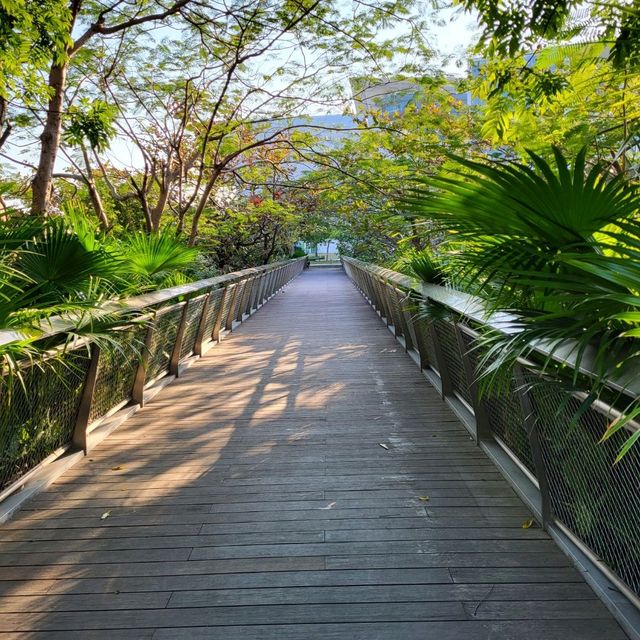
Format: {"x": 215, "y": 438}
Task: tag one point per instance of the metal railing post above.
{"x": 174, "y": 360}
{"x": 79, "y": 438}
{"x": 137, "y": 392}
{"x": 228, "y": 321}
{"x": 199, "y": 341}
{"x": 217, "y": 326}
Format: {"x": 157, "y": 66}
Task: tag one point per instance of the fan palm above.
{"x": 557, "y": 246}
{"x": 67, "y": 267}
{"x": 152, "y": 260}
{"x": 421, "y": 265}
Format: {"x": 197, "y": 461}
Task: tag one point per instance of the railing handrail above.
{"x": 59, "y": 325}
{"x": 473, "y": 308}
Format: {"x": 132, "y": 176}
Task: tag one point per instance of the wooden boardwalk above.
{"x": 300, "y": 481}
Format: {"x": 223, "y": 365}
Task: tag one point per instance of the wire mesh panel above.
{"x": 163, "y": 340}
{"x": 448, "y": 342}
{"x": 116, "y": 372}
{"x": 38, "y": 413}
{"x": 382, "y": 304}
{"x": 256, "y": 298}
{"x": 268, "y": 291}
{"x": 408, "y": 308}
{"x": 192, "y": 322}
{"x": 596, "y": 498}
{"x": 228, "y": 301}
{"x": 277, "y": 279}
{"x": 502, "y": 406}
{"x": 394, "y": 309}
{"x": 245, "y": 306}
{"x": 424, "y": 340}
{"x": 507, "y": 423}
{"x": 364, "y": 283}
{"x": 213, "y": 309}
{"x": 233, "y": 311}
{"x": 404, "y": 306}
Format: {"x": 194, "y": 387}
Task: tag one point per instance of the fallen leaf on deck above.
{"x": 384, "y": 446}
{"x": 118, "y": 468}
{"x": 105, "y": 515}
{"x": 527, "y": 524}
{"x": 423, "y": 498}
{"x": 329, "y": 506}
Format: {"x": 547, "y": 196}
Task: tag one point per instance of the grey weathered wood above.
{"x": 253, "y": 500}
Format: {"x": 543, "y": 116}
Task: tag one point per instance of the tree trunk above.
{"x": 158, "y": 210}
{"x": 94, "y": 194}
{"x": 5, "y": 127}
{"x": 202, "y": 204}
{"x": 142, "y": 199}
{"x": 50, "y": 141}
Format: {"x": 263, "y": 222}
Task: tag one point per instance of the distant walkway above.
{"x": 301, "y": 481}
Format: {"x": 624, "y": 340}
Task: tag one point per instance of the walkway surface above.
{"x": 303, "y": 481}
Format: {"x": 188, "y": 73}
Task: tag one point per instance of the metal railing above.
{"x": 59, "y": 401}
{"x": 557, "y": 463}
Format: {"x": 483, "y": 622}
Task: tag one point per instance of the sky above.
{"x": 455, "y": 37}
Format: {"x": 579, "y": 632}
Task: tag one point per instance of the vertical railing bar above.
{"x": 199, "y": 341}
{"x": 228, "y": 321}
{"x": 79, "y": 439}
{"x": 215, "y": 332}
{"x": 174, "y": 360}
{"x": 137, "y": 392}
{"x": 443, "y": 368}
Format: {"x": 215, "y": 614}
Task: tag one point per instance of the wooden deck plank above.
{"x": 252, "y": 499}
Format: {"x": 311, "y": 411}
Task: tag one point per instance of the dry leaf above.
{"x": 118, "y": 468}
{"x": 105, "y": 515}
{"x": 527, "y": 524}
{"x": 384, "y": 446}
{"x": 423, "y": 498}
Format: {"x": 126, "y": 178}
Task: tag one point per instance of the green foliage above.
{"x": 510, "y": 27}
{"x": 154, "y": 256}
{"x": 33, "y": 34}
{"x": 355, "y": 198}
{"x": 90, "y": 121}
{"x": 567, "y": 95}
{"x": 251, "y": 231}
{"x": 65, "y": 266}
{"x": 557, "y": 246}
{"x": 421, "y": 264}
